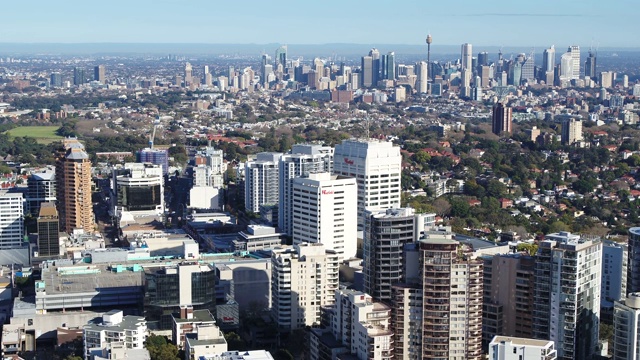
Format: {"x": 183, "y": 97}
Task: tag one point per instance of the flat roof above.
{"x": 521, "y": 341}
{"x": 198, "y": 316}
{"x": 57, "y": 282}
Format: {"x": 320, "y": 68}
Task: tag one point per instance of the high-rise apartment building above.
{"x": 154, "y": 156}
{"x": 466, "y": 56}
{"x": 302, "y": 160}
{"x": 508, "y": 296}
{"x": 48, "y": 230}
{"x": 115, "y": 328}
{"x": 261, "y": 185}
{"x": 501, "y": 119}
{"x": 304, "y": 279}
{"x": 79, "y": 77}
{"x": 567, "y": 294}
{"x": 614, "y": 273}
{"x": 11, "y": 220}
{"x": 56, "y": 79}
{"x": 571, "y": 131}
{"x": 514, "y": 348}
{"x": 322, "y": 209}
{"x": 385, "y": 234}
{"x": 100, "y": 73}
{"x": 574, "y": 52}
{"x": 633, "y": 261}
{"x": 606, "y": 79}
{"x": 626, "y": 328}
{"x": 73, "y": 181}
{"x": 41, "y": 188}
{"x": 376, "y": 165}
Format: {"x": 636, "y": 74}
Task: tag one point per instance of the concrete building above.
{"x": 206, "y": 197}
{"x": 114, "y": 328}
{"x": 322, "y": 206}
{"x": 73, "y": 181}
{"x": 48, "y": 230}
{"x": 508, "y": 296}
{"x": 258, "y": 237}
{"x": 633, "y": 261}
{"x": 261, "y": 186}
{"x": 248, "y": 282}
{"x": 41, "y": 188}
{"x": 205, "y": 340}
{"x": 571, "y": 131}
{"x": 385, "y": 235}
{"x": 406, "y": 320}
{"x": 11, "y": 220}
{"x": 626, "y": 328}
{"x": 240, "y": 355}
{"x": 154, "y": 156}
{"x": 187, "y": 321}
{"x": 303, "y": 159}
{"x": 501, "y": 119}
{"x": 304, "y": 280}
{"x": 376, "y": 165}
{"x": 614, "y": 273}
{"x": 100, "y": 74}
{"x": 466, "y": 55}
{"x": 567, "y": 294}
{"x": 574, "y": 52}
{"x": 139, "y": 189}
{"x": 513, "y": 348}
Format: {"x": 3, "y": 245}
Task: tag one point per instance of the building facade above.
{"x": 73, "y": 181}
{"x": 154, "y": 156}
{"x": 513, "y": 348}
{"x": 633, "y": 261}
{"x": 501, "y": 119}
{"x": 138, "y": 188}
{"x": 261, "y": 185}
{"x": 41, "y": 188}
{"x": 11, "y": 220}
{"x": 626, "y": 328}
{"x": 48, "y": 230}
{"x": 115, "y": 328}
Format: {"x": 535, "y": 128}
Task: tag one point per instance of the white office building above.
{"x": 303, "y": 159}
{"x": 512, "y": 348}
{"x": 324, "y": 208}
{"x": 139, "y": 189}
{"x": 11, "y": 220}
{"x": 626, "y": 328}
{"x": 261, "y": 186}
{"x": 114, "y": 328}
{"x": 377, "y": 166}
{"x": 304, "y": 279}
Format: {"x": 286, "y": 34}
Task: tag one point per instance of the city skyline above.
{"x": 253, "y": 22}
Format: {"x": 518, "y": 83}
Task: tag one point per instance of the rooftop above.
{"x": 198, "y": 316}
{"x": 128, "y": 322}
{"x": 521, "y": 341}
{"x": 79, "y": 279}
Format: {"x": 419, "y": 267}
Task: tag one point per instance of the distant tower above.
{"x": 574, "y": 51}
{"x": 501, "y": 119}
{"x": 590, "y": 65}
{"x": 466, "y": 56}
{"x": 99, "y": 73}
{"x": 429, "y": 41}
{"x": 188, "y": 74}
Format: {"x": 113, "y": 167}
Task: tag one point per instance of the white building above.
{"x": 574, "y": 52}
{"x": 115, "y": 328}
{"x": 205, "y": 340}
{"x": 42, "y": 188}
{"x": 11, "y": 220}
{"x": 206, "y": 197}
{"x": 324, "y": 208}
{"x": 614, "y": 273}
{"x": 204, "y": 175}
{"x": 303, "y": 159}
{"x": 304, "y": 279}
{"x": 512, "y": 348}
{"x": 258, "y": 237}
{"x": 241, "y": 355}
{"x": 139, "y": 189}
{"x": 377, "y": 166}
{"x": 626, "y": 328}
{"x": 261, "y": 181}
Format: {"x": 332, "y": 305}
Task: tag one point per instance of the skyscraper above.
{"x": 466, "y": 56}
{"x": 48, "y": 230}
{"x": 377, "y": 166}
{"x": 302, "y": 160}
{"x": 549, "y": 59}
{"x": 391, "y": 66}
{"x": 100, "y": 74}
{"x": 188, "y": 74}
{"x": 73, "y": 180}
{"x": 501, "y": 119}
{"x": 528, "y": 69}
{"x": 261, "y": 181}
{"x": 566, "y": 67}
{"x": 574, "y": 51}
{"x": 633, "y": 263}
{"x": 590, "y": 66}
{"x": 56, "y": 79}
{"x": 367, "y": 71}
{"x": 567, "y": 294}
{"x": 483, "y": 58}
{"x": 11, "y": 220}
{"x": 155, "y": 156}
{"x": 423, "y": 77}
{"x": 41, "y": 188}
{"x": 626, "y": 327}
{"x": 571, "y": 131}
{"x": 375, "y": 65}
{"x": 280, "y": 57}
{"x": 79, "y": 77}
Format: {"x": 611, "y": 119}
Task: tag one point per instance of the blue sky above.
{"x": 488, "y": 22}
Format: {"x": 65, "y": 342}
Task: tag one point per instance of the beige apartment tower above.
{"x": 73, "y": 178}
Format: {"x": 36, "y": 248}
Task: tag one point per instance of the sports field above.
{"x": 43, "y": 134}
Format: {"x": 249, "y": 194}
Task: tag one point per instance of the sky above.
{"x": 485, "y": 23}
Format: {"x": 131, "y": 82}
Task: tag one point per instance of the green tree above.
{"x": 529, "y": 248}
{"x": 459, "y": 207}
{"x": 160, "y": 349}
{"x": 558, "y": 226}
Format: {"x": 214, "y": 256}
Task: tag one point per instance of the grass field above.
{"x": 43, "y": 134}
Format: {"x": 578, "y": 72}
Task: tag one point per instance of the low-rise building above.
{"x": 512, "y": 348}
{"x": 114, "y": 328}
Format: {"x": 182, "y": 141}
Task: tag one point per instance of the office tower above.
{"x": 304, "y": 279}
{"x": 48, "y": 230}
{"x": 377, "y": 166}
{"x": 423, "y": 77}
{"x": 41, "y": 188}
{"x": 207, "y": 77}
{"x": 590, "y": 66}
{"x": 466, "y": 56}
{"x": 571, "y": 131}
{"x": 485, "y": 75}
{"x": 322, "y": 209}
{"x": 483, "y": 58}
{"x": 508, "y": 296}
{"x": 391, "y": 66}
{"x": 625, "y": 81}
{"x": 264, "y": 69}
{"x": 261, "y": 181}
{"x": 79, "y": 77}
{"x": 11, "y": 220}
{"x": 367, "y": 71}
{"x": 614, "y": 273}
{"x": 501, "y": 119}
{"x": 129, "y": 330}
{"x": 280, "y": 57}
{"x": 154, "y": 156}
{"x": 606, "y": 79}
{"x": 56, "y": 79}
{"x": 167, "y": 288}
{"x": 574, "y": 52}
{"x": 633, "y": 261}
{"x": 528, "y": 69}
{"x": 517, "y": 348}
{"x": 302, "y": 160}
{"x": 375, "y": 66}
{"x": 465, "y": 88}
{"x": 549, "y": 59}
{"x": 567, "y": 294}
{"x": 450, "y": 308}
{"x": 566, "y": 67}
{"x": 515, "y": 72}
{"x": 188, "y": 74}
{"x": 636, "y": 90}
{"x": 73, "y": 181}
{"x": 100, "y": 73}
{"x": 626, "y": 327}
{"x": 385, "y": 234}
{"x": 139, "y": 189}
